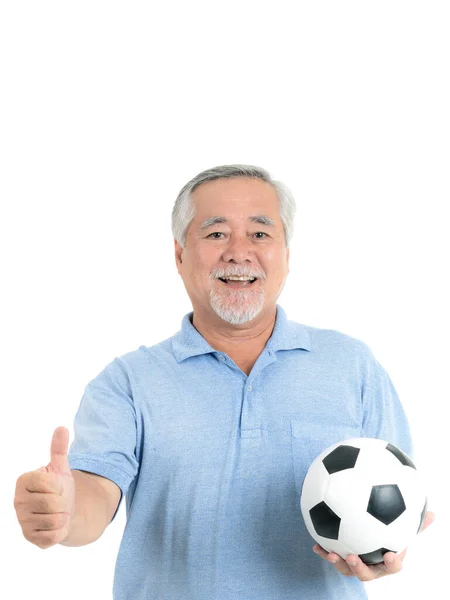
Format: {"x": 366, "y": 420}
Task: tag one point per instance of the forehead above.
{"x": 234, "y": 198}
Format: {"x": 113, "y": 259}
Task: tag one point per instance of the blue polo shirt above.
{"x": 212, "y": 461}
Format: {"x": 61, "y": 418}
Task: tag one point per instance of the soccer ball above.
{"x": 363, "y": 496}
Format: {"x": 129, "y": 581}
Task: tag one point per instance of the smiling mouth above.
{"x": 238, "y": 281}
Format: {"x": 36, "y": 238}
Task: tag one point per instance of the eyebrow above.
{"x": 261, "y": 219}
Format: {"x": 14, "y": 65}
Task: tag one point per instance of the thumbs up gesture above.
{"x": 45, "y": 498}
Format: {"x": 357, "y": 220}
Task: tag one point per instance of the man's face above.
{"x": 237, "y": 231}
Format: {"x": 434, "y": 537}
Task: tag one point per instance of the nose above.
{"x": 238, "y": 249}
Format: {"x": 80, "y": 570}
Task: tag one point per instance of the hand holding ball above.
{"x": 363, "y": 496}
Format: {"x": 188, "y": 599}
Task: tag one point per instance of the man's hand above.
{"x": 354, "y": 566}
{"x": 45, "y": 499}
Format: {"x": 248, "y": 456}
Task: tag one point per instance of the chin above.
{"x": 238, "y": 310}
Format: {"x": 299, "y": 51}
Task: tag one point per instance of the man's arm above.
{"x": 96, "y": 501}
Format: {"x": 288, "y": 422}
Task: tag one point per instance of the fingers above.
{"x": 354, "y": 566}
{"x": 42, "y": 512}
{"x": 40, "y": 481}
{"x": 45, "y": 498}
{"x": 42, "y": 504}
{"x": 45, "y": 538}
{"x": 44, "y": 522}
{"x": 392, "y": 564}
{"x": 337, "y": 561}
{"x": 29, "y": 504}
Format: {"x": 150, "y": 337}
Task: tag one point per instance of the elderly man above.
{"x": 210, "y": 432}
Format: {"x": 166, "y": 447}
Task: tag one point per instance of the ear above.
{"x": 178, "y": 254}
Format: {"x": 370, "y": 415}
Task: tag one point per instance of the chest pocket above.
{"x": 310, "y": 439}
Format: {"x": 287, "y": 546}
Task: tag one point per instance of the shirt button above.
{"x": 222, "y": 357}
{"x": 249, "y": 389}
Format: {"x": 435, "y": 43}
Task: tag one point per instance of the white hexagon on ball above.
{"x": 363, "y": 496}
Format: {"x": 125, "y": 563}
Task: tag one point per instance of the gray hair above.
{"x": 184, "y": 210}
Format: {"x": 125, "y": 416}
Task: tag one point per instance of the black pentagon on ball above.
{"x": 373, "y": 558}
{"x": 325, "y": 521}
{"x": 386, "y": 503}
{"x": 341, "y": 458}
{"x": 401, "y": 456}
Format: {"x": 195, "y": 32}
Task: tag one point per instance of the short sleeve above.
{"x": 383, "y": 414}
{"x": 105, "y": 428}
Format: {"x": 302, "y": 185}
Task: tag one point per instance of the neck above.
{"x": 248, "y": 338}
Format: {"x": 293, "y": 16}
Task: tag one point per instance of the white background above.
{"x": 107, "y": 109}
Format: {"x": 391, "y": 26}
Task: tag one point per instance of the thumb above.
{"x": 58, "y": 451}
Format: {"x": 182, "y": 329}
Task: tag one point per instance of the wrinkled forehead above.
{"x": 263, "y": 220}
{"x": 224, "y": 200}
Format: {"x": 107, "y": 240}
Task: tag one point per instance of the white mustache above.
{"x": 236, "y": 273}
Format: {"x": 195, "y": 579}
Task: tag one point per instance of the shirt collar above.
{"x": 286, "y": 335}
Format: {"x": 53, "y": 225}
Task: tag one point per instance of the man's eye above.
{"x": 214, "y": 233}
